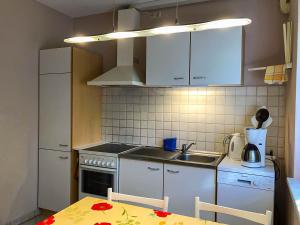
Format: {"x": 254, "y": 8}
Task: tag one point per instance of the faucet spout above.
{"x": 186, "y": 147}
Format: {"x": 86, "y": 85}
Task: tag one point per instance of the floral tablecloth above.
{"x": 95, "y": 211}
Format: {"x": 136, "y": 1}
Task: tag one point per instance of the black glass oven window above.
{"x": 96, "y": 183}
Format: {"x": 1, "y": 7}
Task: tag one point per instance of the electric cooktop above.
{"x": 113, "y": 148}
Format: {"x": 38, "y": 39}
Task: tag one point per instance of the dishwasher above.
{"x": 243, "y": 188}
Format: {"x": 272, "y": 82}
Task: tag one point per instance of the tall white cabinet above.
{"x": 66, "y": 104}
{"x": 55, "y": 129}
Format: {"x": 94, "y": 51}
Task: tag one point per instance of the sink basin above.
{"x": 200, "y": 158}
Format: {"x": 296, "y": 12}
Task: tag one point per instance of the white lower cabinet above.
{"x": 180, "y": 183}
{"x": 54, "y": 179}
{"x": 183, "y": 183}
{"x": 141, "y": 178}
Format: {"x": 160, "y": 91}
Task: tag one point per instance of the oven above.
{"x": 94, "y": 181}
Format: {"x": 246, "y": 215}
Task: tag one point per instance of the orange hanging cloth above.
{"x": 276, "y": 74}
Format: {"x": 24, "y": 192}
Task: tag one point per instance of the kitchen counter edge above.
{"x": 170, "y": 161}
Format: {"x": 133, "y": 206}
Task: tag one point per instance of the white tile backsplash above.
{"x": 203, "y": 115}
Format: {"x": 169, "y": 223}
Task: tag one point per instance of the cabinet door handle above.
{"x": 244, "y": 181}
{"x": 199, "y": 78}
{"x": 62, "y": 145}
{"x": 153, "y": 169}
{"x": 63, "y": 157}
{"x": 178, "y": 78}
{"x": 173, "y": 171}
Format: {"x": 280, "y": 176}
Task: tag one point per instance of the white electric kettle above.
{"x": 235, "y": 146}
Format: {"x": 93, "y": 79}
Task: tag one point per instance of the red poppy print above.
{"x": 103, "y": 206}
{"x": 161, "y": 213}
{"x": 50, "y": 220}
{"x": 102, "y": 224}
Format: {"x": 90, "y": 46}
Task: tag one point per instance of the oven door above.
{"x": 94, "y": 181}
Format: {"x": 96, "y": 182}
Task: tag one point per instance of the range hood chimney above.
{"x": 126, "y": 72}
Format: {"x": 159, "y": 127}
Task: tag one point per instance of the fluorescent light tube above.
{"x": 217, "y": 24}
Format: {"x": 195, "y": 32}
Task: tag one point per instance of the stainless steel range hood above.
{"x": 126, "y": 72}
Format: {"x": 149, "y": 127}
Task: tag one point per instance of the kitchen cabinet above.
{"x": 141, "y": 178}
{"x": 216, "y": 57}
{"x": 183, "y": 183}
{"x": 58, "y": 60}
{"x": 55, "y": 111}
{"x": 168, "y": 60}
{"x": 54, "y": 179}
{"x": 211, "y": 57}
{"x": 69, "y": 117}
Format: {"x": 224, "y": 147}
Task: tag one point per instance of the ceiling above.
{"x": 79, "y": 8}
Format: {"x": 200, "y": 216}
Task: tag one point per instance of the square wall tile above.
{"x": 204, "y": 115}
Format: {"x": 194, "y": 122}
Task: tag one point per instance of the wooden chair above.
{"x": 159, "y": 203}
{"x": 265, "y": 219}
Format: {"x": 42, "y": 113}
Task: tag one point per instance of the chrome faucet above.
{"x": 186, "y": 147}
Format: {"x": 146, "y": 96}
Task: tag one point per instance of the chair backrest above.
{"x": 265, "y": 219}
{"x": 159, "y": 203}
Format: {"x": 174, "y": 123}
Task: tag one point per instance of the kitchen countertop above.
{"x": 230, "y": 165}
{"x": 157, "y": 154}
{"x": 82, "y": 147}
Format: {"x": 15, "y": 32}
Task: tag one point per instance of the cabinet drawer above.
{"x": 246, "y": 180}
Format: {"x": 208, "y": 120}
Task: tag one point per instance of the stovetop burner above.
{"x": 113, "y": 148}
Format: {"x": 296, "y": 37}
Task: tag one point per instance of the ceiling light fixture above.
{"x": 217, "y": 24}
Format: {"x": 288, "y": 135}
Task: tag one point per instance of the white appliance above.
{"x": 244, "y": 188}
{"x": 127, "y": 70}
{"x": 236, "y": 145}
{"x": 99, "y": 169}
{"x": 255, "y": 156}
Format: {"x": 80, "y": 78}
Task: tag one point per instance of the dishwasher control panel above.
{"x": 246, "y": 180}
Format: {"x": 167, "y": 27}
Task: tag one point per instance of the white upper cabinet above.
{"x": 216, "y": 57}
{"x": 54, "y": 61}
{"x": 55, "y": 112}
{"x": 168, "y": 60}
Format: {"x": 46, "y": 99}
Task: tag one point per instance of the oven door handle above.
{"x": 98, "y": 169}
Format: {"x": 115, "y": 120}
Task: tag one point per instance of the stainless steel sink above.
{"x": 201, "y": 158}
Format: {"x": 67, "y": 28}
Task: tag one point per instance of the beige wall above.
{"x": 263, "y": 39}
{"x": 97, "y": 24}
{"x": 26, "y": 26}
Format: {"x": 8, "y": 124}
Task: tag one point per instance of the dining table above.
{"x": 96, "y": 211}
